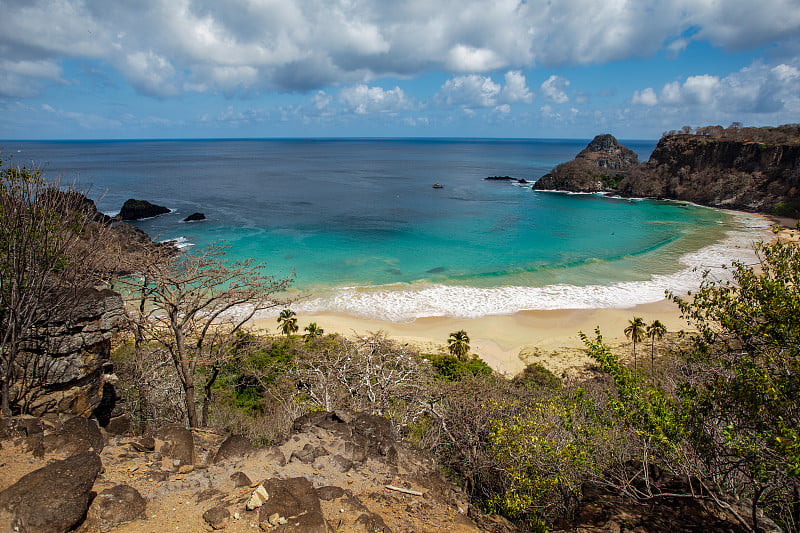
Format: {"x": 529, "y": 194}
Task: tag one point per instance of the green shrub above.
{"x": 451, "y": 368}
{"x": 536, "y": 375}
{"x": 784, "y": 209}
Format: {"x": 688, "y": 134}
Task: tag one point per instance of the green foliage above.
{"x": 312, "y": 332}
{"x": 785, "y": 209}
{"x": 543, "y": 450}
{"x": 536, "y": 375}
{"x": 458, "y": 344}
{"x": 743, "y": 379}
{"x": 287, "y": 322}
{"x": 655, "y": 416}
{"x": 451, "y": 368}
{"x": 636, "y": 332}
{"x": 612, "y": 182}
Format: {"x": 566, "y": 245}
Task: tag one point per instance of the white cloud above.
{"x": 554, "y": 89}
{"x": 645, "y": 97}
{"x": 469, "y": 92}
{"x": 150, "y": 73}
{"x": 363, "y": 99}
{"x": 768, "y": 92}
{"x": 208, "y": 45}
{"x": 463, "y": 58}
{"x": 516, "y": 89}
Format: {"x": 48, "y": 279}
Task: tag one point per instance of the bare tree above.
{"x": 192, "y": 304}
{"x": 51, "y": 252}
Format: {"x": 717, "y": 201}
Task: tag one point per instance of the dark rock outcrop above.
{"x": 54, "y": 498}
{"x": 65, "y": 368}
{"x": 76, "y": 435}
{"x": 749, "y": 169}
{"x": 139, "y": 209}
{"x": 598, "y": 167}
{"x": 720, "y": 172}
{"x": 294, "y": 500}
{"x": 194, "y": 217}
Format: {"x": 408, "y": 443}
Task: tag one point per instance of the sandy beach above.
{"x": 508, "y": 342}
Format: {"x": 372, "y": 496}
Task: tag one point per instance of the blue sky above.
{"x": 94, "y": 69}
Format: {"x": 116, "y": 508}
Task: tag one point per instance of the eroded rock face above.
{"x": 598, "y": 167}
{"x": 54, "y": 498}
{"x": 64, "y": 371}
{"x": 175, "y": 442}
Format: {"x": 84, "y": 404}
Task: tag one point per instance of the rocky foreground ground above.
{"x": 336, "y": 472}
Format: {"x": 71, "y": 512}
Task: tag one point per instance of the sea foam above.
{"x": 407, "y": 302}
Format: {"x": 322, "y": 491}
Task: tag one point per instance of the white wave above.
{"x": 180, "y": 243}
{"x": 405, "y": 303}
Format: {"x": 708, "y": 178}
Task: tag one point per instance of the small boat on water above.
{"x": 438, "y": 186}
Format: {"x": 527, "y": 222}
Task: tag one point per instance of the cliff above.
{"x": 721, "y": 172}
{"x": 598, "y": 167}
{"x": 751, "y": 169}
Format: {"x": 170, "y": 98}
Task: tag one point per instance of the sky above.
{"x": 100, "y": 69}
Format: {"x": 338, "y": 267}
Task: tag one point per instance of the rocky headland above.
{"x": 749, "y": 169}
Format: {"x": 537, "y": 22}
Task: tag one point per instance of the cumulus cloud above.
{"x": 165, "y": 46}
{"x": 755, "y": 89}
{"x": 516, "y": 89}
{"x": 553, "y": 89}
{"x": 469, "y": 91}
{"x": 363, "y": 99}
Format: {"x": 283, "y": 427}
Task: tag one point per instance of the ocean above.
{"x": 363, "y": 230}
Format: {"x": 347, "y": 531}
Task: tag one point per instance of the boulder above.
{"x": 175, "y": 442}
{"x": 54, "y": 498}
{"x": 113, "y": 507}
{"x": 217, "y": 517}
{"x": 77, "y": 435}
{"x": 195, "y": 217}
{"x": 139, "y": 209}
{"x": 296, "y": 501}
{"x": 234, "y": 446}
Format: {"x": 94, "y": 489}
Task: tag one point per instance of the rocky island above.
{"x": 750, "y": 169}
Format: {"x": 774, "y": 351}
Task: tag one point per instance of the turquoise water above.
{"x": 360, "y": 225}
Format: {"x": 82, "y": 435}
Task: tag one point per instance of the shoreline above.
{"x": 507, "y": 343}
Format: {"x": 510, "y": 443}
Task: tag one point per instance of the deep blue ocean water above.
{"x": 359, "y": 223}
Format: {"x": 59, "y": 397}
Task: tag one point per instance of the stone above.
{"x": 330, "y": 492}
{"x": 119, "y": 425}
{"x": 296, "y": 500}
{"x": 113, "y": 507}
{"x": 240, "y": 479}
{"x": 194, "y": 217}
{"x": 175, "y": 442}
{"x": 145, "y": 444}
{"x": 217, "y": 517}
{"x": 343, "y": 464}
{"x": 54, "y": 498}
{"x": 257, "y": 498}
{"x": 234, "y": 446}
{"x": 139, "y": 209}
{"x": 77, "y": 435}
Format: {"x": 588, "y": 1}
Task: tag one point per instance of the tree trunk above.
{"x": 191, "y": 411}
{"x": 207, "y": 397}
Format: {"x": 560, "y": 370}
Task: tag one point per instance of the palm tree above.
{"x": 458, "y": 344}
{"x": 288, "y": 322}
{"x": 636, "y": 332}
{"x": 656, "y": 330}
{"x": 314, "y": 331}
